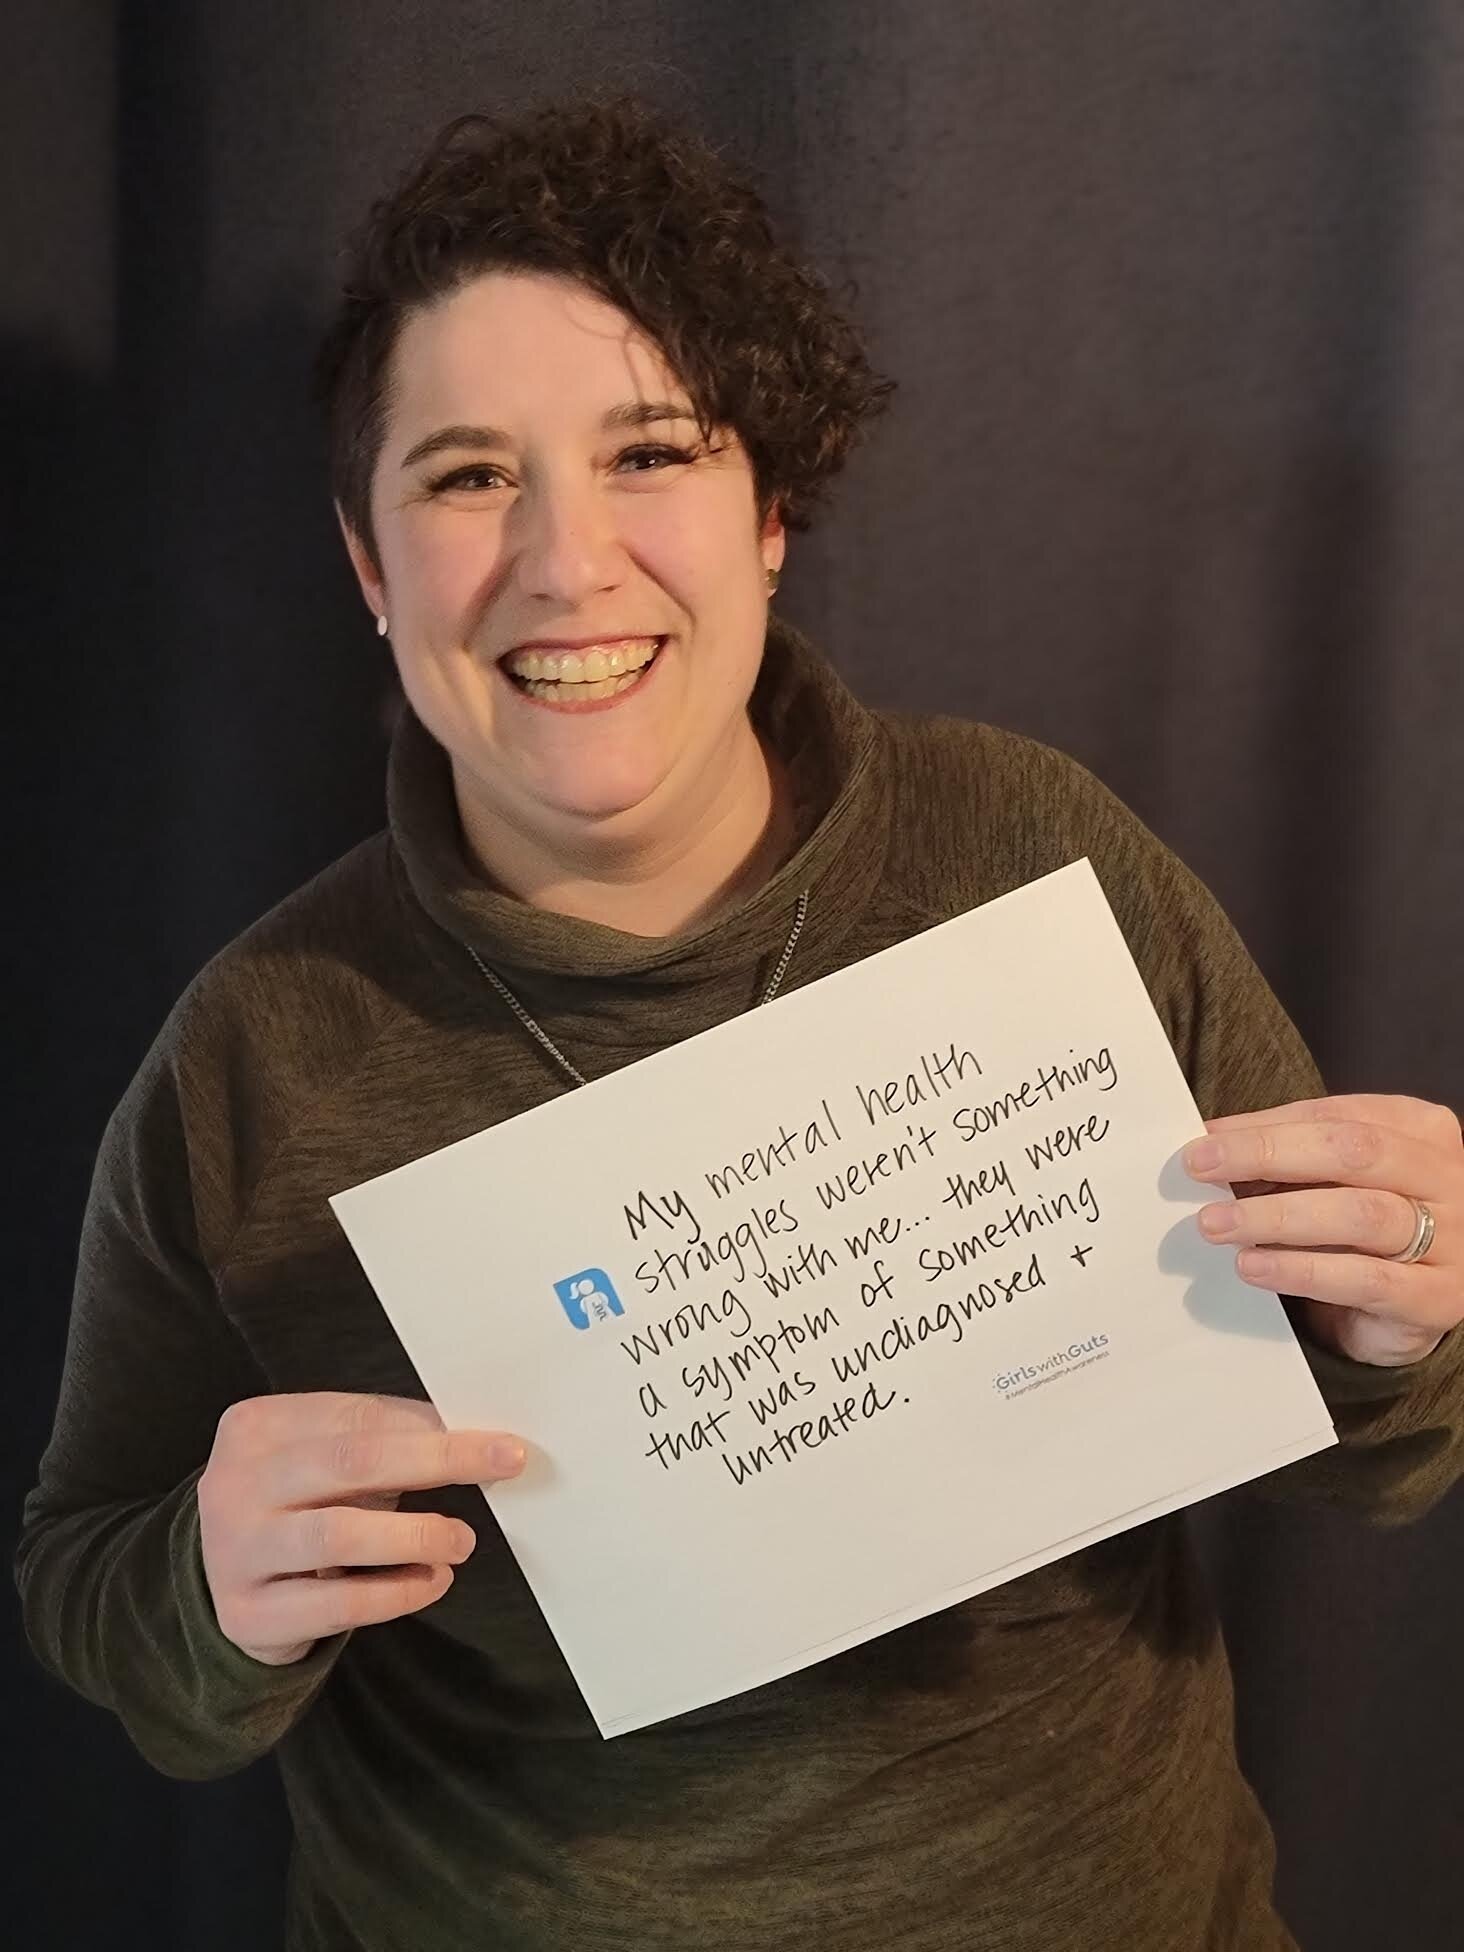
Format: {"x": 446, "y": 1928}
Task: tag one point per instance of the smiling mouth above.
{"x": 582, "y": 677}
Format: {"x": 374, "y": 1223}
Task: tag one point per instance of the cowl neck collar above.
{"x": 830, "y": 744}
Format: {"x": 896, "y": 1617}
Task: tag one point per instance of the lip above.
{"x": 581, "y": 643}
{"x": 566, "y": 708}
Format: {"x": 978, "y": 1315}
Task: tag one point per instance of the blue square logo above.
{"x": 588, "y": 1296}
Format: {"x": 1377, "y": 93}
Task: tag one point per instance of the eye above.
{"x": 460, "y": 477}
{"x": 679, "y": 455}
{"x": 473, "y": 476}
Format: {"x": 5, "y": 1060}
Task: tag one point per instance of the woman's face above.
{"x": 535, "y": 487}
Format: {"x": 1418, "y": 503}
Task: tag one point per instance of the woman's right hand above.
{"x": 300, "y": 1490}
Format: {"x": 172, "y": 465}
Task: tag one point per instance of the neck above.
{"x": 723, "y": 839}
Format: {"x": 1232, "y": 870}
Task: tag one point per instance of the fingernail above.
{"x": 505, "y": 1457}
{"x": 1202, "y": 1157}
{"x": 1219, "y": 1222}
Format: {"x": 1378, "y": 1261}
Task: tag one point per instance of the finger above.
{"x": 1344, "y": 1153}
{"x": 1367, "y": 1338}
{"x": 260, "y": 1426}
{"x": 289, "y": 1610}
{"x": 336, "y": 1469}
{"x": 1360, "y": 1218}
{"x": 1417, "y": 1117}
{"x": 332, "y": 1536}
{"x": 263, "y": 1423}
{"x": 1419, "y": 1296}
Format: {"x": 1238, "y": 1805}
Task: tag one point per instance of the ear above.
{"x": 773, "y": 538}
{"x": 367, "y": 574}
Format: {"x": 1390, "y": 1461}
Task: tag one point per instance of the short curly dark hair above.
{"x": 646, "y": 214}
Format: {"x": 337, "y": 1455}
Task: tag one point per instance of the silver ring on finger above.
{"x": 1423, "y": 1234}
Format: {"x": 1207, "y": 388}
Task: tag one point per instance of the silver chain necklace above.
{"x": 543, "y": 1037}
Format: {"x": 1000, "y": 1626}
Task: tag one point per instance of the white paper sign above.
{"x": 843, "y": 1311}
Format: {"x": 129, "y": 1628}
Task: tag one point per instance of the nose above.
{"x": 567, "y": 544}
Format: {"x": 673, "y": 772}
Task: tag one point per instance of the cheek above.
{"x": 440, "y": 569}
{"x": 694, "y": 539}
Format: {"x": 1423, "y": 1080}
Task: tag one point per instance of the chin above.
{"x": 604, "y": 800}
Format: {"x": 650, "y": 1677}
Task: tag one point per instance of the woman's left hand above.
{"x": 1324, "y": 1197}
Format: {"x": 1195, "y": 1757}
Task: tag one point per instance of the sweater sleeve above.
{"x": 1400, "y": 1430}
{"x": 110, "y": 1569}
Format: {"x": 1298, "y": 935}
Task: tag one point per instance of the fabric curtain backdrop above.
{"x": 1175, "y": 298}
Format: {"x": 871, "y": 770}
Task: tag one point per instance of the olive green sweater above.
{"x": 1048, "y": 1767}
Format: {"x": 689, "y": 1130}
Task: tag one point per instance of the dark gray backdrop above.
{"x": 1174, "y": 293}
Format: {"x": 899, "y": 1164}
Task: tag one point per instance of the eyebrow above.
{"x": 631, "y": 413}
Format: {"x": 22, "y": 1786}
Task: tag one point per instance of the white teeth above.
{"x": 564, "y": 694}
{"x": 572, "y": 667}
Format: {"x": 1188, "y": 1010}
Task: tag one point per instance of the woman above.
{"x": 579, "y": 396}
